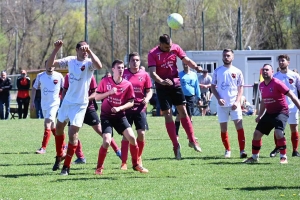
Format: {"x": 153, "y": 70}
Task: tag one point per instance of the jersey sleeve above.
{"x": 282, "y": 87}
{"x": 148, "y": 83}
{"x": 130, "y": 93}
{"x": 62, "y": 81}
{"x": 151, "y": 60}
{"x": 93, "y": 84}
{"x": 214, "y": 78}
{"x": 64, "y": 61}
{"x": 240, "y": 81}
{"x": 100, "y": 88}
{"x": 298, "y": 82}
{"x": 180, "y": 53}
{"x": 66, "y": 82}
{"x": 36, "y": 81}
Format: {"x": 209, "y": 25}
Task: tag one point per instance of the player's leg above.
{"x": 279, "y": 123}
{"x": 140, "y": 121}
{"x": 223, "y": 117}
{"x": 293, "y": 121}
{"x": 237, "y": 117}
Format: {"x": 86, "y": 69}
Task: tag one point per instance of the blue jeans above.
{"x": 38, "y": 108}
{"x": 4, "y": 101}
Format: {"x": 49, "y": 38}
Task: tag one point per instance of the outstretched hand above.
{"x": 58, "y": 44}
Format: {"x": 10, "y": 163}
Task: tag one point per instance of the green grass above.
{"x": 207, "y": 175}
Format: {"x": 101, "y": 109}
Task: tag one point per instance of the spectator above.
{"x": 37, "y": 102}
{"x": 204, "y": 82}
{"x": 5, "y": 86}
{"x": 23, "y": 98}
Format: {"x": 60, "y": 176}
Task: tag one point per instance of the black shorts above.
{"x": 119, "y": 124}
{"x": 190, "y": 104}
{"x": 91, "y": 118}
{"x": 139, "y": 120}
{"x": 270, "y": 121}
{"x": 170, "y": 96}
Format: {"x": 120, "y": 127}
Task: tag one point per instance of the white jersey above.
{"x": 50, "y": 87}
{"x": 228, "y": 80}
{"x": 292, "y": 81}
{"x": 80, "y": 75}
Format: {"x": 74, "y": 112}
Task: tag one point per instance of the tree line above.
{"x": 28, "y": 28}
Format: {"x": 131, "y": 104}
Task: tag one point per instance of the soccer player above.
{"x": 164, "y": 71}
{"x": 91, "y": 118}
{"x": 227, "y": 86}
{"x": 73, "y": 107}
{"x": 292, "y": 81}
{"x": 142, "y": 84}
{"x": 23, "y": 98}
{"x": 273, "y": 113}
{"x": 117, "y": 95}
{"x": 51, "y": 83}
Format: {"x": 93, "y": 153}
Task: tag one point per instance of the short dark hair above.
{"x": 266, "y": 65}
{"x": 165, "y": 39}
{"x": 81, "y": 43}
{"x": 132, "y": 54}
{"x": 117, "y": 62}
{"x": 283, "y": 56}
{"x": 228, "y": 50}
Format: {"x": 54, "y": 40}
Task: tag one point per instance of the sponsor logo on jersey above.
{"x": 82, "y": 68}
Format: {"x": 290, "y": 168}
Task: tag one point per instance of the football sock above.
{"x": 172, "y": 133}
{"x": 101, "y": 157}
{"x": 275, "y": 141}
{"x": 295, "y": 140}
{"x": 114, "y": 145}
{"x": 46, "y": 138}
{"x": 59, "y": 141}
{"x": 225, "y": 140}
{"x": 188, "y": 127}
{"x": 282, "y": 145}
{"x": 256, "y": 145}
{"x": 241, "y": 139}
{"x": 124, "y": 150}
{"x": 141, "y": 145}
{"x": 79, "y": 152}
{"x": 134, "y": 151}
{"x": 70, "y": 152}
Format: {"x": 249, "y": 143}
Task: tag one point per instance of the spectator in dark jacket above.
{"x": 5, "y": 87}
{"x": 23, "y": 98}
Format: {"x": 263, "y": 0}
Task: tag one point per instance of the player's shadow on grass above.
{"x": 35, "y": 164}
{"x": 264, "y": 188}
{"x": 84, "y": 179}
{"x": 17, "y": 153}
{"x": 24, "y": 175}
{"x": 237, "y": 163}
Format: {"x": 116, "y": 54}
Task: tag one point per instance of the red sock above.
{"x": 46, "y": 138}
{"x": 256, "y": 145}
{"x": 225, "y": 140}
{"x": 70, "y": 153}
{"x": 141, "y": 145}
{"x": 79, "y": 152}
{"x": 241, "y": 138}
{"x": 53, "y": 131}
{"x": 275, "y": 140}
{"x": 114, "y": 145}
{"x": 172, "y": 133}
{"x": 188, "y": 127}
{"x": 59, "y": 141}
{"x": 124, "y": 150}
{"x": 101, "y": 157}
{"x": 282, "y": 145}
{"x": 134, "y": 151}
{"x": 295, "y": 140}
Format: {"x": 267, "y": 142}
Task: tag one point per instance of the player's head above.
{"x": 117, "y": 68}
{"x": 165, "y": 43}
{"x": 284, "y": 61}
{"x": 23, "y": 73}
{"x": 49, "y": 68}
{"x": 134, "y": 60}
{"x": 3, "y": 75}
{"x": 267, "y": 72}
{"x": 185, "y": 67}
{"x": 228, "y": 56}
{"x": 81, "y": 54}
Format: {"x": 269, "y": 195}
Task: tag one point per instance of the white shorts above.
{"x": 72, "y": 112}
{"x": 293, "y": 118}
{"x": 51, "y": 113}
{"x": 224, "y": 112}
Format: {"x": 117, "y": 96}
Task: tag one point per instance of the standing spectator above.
{"x": 23, "y": 98}
{"x": 137, "y": 114}
{"x": 292, "y": 81}
{"x": 73, "y": 107}
{"x": 204, "y": 83}
{"x": 190, "y": 88}
{"x": 164, "y": 71}
{"x": 273, "y": 113}
{"x": 5, "y": 87}
{"x": 51, "y": 83}
{"x": 117, "y": 95}
{"x": 37, "y": 102}
{"x": 227, "y": 86}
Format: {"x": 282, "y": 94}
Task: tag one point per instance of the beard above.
{"x": 226, "y": 62}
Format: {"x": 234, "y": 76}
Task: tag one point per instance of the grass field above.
{"x": 206, "y": 175}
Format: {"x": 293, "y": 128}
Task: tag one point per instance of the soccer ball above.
{"x": 175, "y": 21}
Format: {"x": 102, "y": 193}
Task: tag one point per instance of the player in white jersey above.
{"x": 227, "y": 86}
{"x": 73, "y": 107}
{"x": 51, "y": 83}
{"x": 292, "y": 81}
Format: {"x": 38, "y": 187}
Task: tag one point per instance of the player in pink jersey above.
{"x": 273, "y": 113}
{"x": 73, "y": 107}
{"x": 292, "y": 81}
{"x": 141, "y": 83}
{"x": 164, "y": 71}
{"x": 228, "y": 86}
{"x": 91, "y": 118}
{"x": 117, "y": 95}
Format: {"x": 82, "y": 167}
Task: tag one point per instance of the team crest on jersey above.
{"x": 271, "y": 89}
{"x": 108, "y": 87}
{"x": 233, "y": 75}
{"x": 291, "y": 81}
{"x": 141, "y": 78}
{"x": 82, "y": 68}
{"x": 126, "y": 78}
{"x": 122, "y": 90}
{"x": 55, "y": 82}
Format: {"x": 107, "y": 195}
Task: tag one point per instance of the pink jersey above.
{"x": 140, "y": 82}
{"x": 273, "y": 96}
{"x": 93, "y": 86}
{"x": 165, "y": 63}
{"x": 122, "y": 96}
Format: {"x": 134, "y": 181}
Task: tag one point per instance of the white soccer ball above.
{"x": 175, "y": 21}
